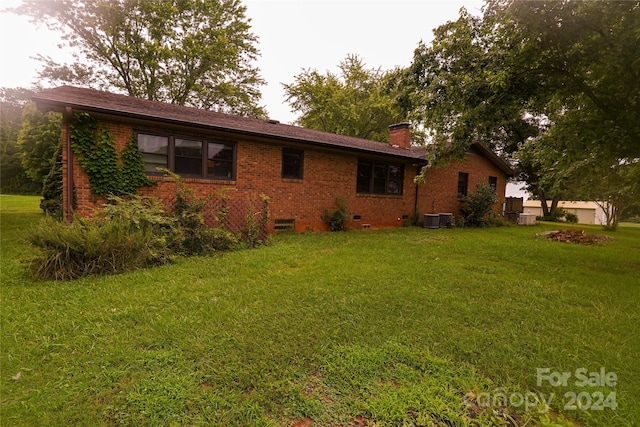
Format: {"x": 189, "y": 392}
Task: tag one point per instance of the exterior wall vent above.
{"x": 285, "y": 225}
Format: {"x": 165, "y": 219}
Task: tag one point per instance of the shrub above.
{"x": 193, "y": 236}
{"x": 133, "y": 232}
{"x": 128, "y": 233}
{"x": 570, "y": 217}
{"x": 254, "y": 231}
{"x": 51, "y": 203}
{"x": 477, "y": 205}
{"x": 337, "y": 218}
{"x": 83, "y": 248}
{"x": 493, "y": 219}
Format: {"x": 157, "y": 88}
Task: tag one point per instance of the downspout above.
{"x": 415, "y": 204}
{"x": 68, "y": 202}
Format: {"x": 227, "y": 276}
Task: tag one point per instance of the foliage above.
{"x": 571, "y": 217}
{"x": 83, "y": 248}
{"x": 203, "y": 59}
{"x": 129, "y": 233}
{"x": 51, "y": 203}
{"x": 357, "y": 102}
{"x": 615, "y": 188}
{"x": 192, "y": 236}
{"x": 560, "y": 75}
{"x": 13, "y": 179}
{"x": 477, "y": 205}
{"x": 337, "y": 218}
{"x": 254, "y": 232}
{"x": 96, "y": 150}
{"x": 38, "y": 141}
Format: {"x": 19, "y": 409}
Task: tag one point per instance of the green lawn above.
{"x": 391, "y": 327}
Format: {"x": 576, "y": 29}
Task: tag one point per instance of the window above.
{"x": 220, "y": 160}
{"x": 379, "y": 178}
{"x": 292, "y": 161}
{"x": 463, "y": 184}
{"x": 154, "y": 150}
{"x": 493, "y": 183}
{"x": 187, "y": 157}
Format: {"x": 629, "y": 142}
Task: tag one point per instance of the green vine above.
{"x": 96, "y": 151}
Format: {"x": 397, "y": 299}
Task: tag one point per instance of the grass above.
{"x": 405, "y": 326}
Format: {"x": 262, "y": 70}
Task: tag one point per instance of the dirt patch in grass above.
{"x": 575, "y": 236}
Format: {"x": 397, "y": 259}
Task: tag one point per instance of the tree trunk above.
{"x": 543, "y": 201}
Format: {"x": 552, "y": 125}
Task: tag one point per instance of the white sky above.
{"x": 293, "y": 35}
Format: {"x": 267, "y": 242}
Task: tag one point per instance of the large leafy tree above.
{"x": 357, "y": 102}
{"x": 187, "y": 52}
{"x": 38, "y": 141}
{"x": 551, "y": 81}
{"x": 13, "y": 178}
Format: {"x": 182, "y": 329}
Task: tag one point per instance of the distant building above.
{"x": 587, "y": 212}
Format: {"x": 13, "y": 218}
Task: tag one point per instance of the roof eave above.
{"x": 45, "y": 104}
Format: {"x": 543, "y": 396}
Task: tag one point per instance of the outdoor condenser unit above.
{"x": 446, "y": 220}
{"x": 527, "y": 219}
{"x": 431, "y": 221}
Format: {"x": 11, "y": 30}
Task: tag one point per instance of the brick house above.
{"x": 303, "y": 171}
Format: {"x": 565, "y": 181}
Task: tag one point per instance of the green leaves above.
{"x": 183, "y": 52}
{"x": 96, "y": 151}
{"x": 358, "y": 102}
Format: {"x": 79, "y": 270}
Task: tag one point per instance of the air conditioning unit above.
{"x": 446, "y": 220}
{"x": 431, "y": 221}
{"x": 527, "y": 219}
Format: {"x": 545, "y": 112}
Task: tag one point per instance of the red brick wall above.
{"x": 438, "y": 194}
{"x": 327, "y": 175}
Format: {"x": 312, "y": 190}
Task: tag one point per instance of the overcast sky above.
{"x": 293, "y": 36}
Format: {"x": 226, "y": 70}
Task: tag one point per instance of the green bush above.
{"x": 572, "y": 218}
{"x": 337, "y": 218}
{"x": 254, "y": 230}
{"x": 493, "y": 219}
{"x": 478, "y": 205}
{"x": 51, "y": 203}
{"x": 92, "y": 247}
{"x": 193, "y": 236}
{"x": 128, "y": 233}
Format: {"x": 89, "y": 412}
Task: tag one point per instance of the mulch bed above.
{"x": 575, "y": 236}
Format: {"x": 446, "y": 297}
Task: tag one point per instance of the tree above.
{"x": 560, "y": 74}
{"x": 13, "y": 179}
{"x": 357, "y": 102}
{"x": 38, "y": 141}
{"x": 614, "y": 187}
{"x": 587, "y": 52}
{"x": 186, "y": 52}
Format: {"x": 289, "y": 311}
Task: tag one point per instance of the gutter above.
{"x": 68, "y": 203}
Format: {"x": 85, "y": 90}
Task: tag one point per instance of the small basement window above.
{"x": 285, "y": 225}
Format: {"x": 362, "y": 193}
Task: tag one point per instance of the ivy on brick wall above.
{"x": 95, "y": 148}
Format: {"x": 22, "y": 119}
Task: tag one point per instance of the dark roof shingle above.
{"x": 91, "y": 100}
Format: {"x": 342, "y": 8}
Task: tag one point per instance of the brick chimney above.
{"x": 400, "y": 135}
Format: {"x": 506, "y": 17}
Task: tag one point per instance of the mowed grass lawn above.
{"x": 390, "y": 327}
